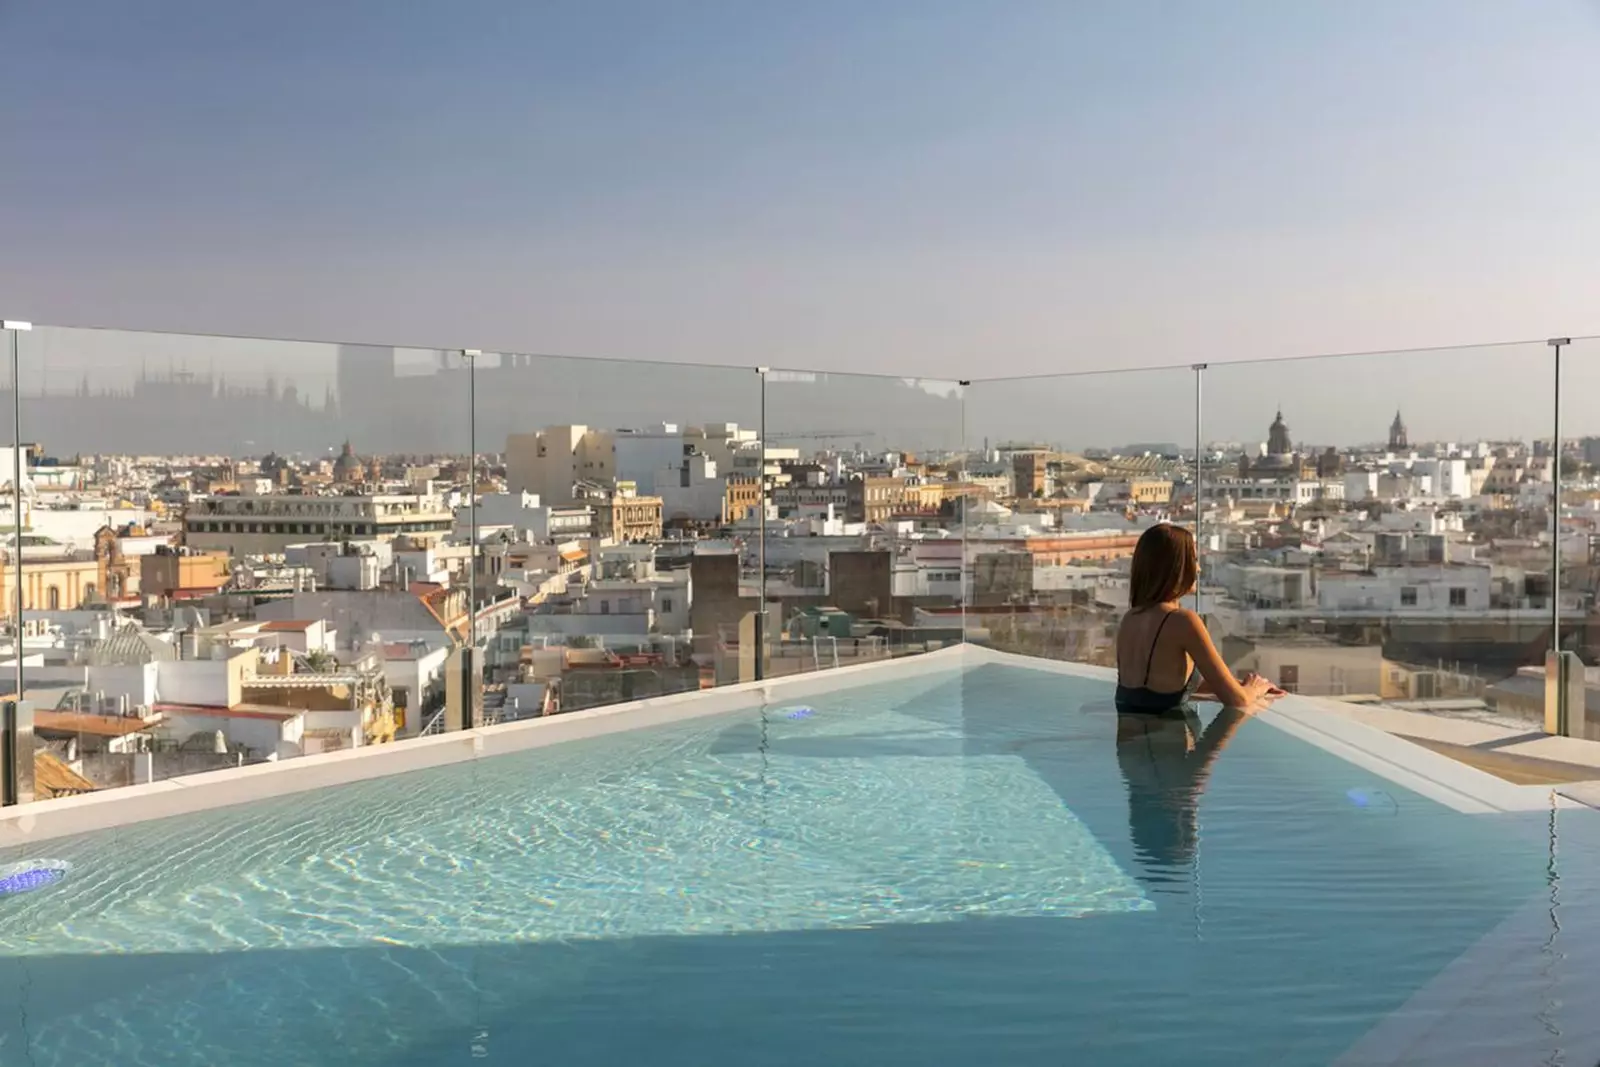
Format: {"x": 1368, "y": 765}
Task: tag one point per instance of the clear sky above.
{"x": 951, "y": 189}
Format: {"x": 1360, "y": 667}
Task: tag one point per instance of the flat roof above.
{"x": 238, "y": 711}
{"x": 78, "y": 722}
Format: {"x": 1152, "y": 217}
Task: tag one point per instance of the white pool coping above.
{"x": 1321, "y": 723}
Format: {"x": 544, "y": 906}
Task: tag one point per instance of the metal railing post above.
{"x": 1199, "y": 465}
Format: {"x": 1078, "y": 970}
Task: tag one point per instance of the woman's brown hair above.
{"x": 1165, "y": 566}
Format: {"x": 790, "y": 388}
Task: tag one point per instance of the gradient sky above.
{"x": 932, "y": 187}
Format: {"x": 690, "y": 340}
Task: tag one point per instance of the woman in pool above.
{"x": 1164, "y": 652}
{"x": 1165, "y": 752}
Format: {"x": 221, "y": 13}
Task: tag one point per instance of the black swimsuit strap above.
{"x": 1153, "y": 642}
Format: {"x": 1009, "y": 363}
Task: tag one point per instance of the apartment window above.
{"x": 1408, "y": 596}
{"x": 1458, "y": 597}
{"x": 255, "y": 527}
{"x": 605, "y": 607}
{"x": 1289, "y": 677}
{"x": 666, "y": 603}
{"x": 54, "y": 598}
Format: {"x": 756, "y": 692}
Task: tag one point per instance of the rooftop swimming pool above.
{"x": 971, "y": 864}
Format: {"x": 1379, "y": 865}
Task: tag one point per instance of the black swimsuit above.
{"x": 1142, "y": 700}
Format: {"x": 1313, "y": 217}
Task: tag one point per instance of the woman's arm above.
{"x": 1220, "y": 682}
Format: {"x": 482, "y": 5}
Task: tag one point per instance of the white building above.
{"x": 1449, "y": 477}
{"x": 550, "y": 462}
{"x": 268, "y": 525}
{"x": 1360, "y": 485}
{"x": 643, "y": 455}
{"x": 1261, "y": 586}
{"x": 415, "y": 673}
{"x": 626, "y": 583}
{"x": 1422, "y": 520}
{"x": 69, "y": 522}
{"x": 526, "y": 516}
{"x": 1288, "y": 490}
{"x": 733, "y": 450}
{"x": 692, "y": 491}
{"x": 1437, "y": 589}
{"x": 349, "y": 565}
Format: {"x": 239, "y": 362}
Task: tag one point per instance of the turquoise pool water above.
{"x": 967, "y": 867}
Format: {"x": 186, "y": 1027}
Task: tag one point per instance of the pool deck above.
{"x": 1525, "y": 755}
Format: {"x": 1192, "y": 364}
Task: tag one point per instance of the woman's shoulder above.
{"x": 1186, "y": 618}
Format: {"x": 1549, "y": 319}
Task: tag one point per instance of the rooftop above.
{"x": 79, "y": 723}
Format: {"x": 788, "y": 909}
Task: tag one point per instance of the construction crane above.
{"x": 822, "y": 435}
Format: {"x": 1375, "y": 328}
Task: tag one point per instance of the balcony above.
{"x": 852, "y": 785}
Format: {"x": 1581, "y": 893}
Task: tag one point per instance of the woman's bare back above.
{"x": 1151, "y": 637}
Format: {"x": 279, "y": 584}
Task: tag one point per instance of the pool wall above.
{"x": 1318, "y": 722}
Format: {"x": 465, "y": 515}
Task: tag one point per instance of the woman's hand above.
{"x": 1260, "y": 691}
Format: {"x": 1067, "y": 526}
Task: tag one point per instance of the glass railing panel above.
{"x": 614, "y": 503}
{"x": 1068, "y": 470}
{"x": 860, "y": 551}
{"x": 1578, "y": 574}
{"x": 227, "y": 545}
{"x": 237, "y": 585}
{"x": 1377, "y": 526}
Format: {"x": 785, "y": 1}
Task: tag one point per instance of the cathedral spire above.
{"x": 1397, "y": 432}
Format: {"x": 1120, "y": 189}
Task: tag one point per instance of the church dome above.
{"x": 1278, "y": 443}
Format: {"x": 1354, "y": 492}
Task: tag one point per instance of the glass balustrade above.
{"x": 1070, "y": 470}
{"x": 1376, "y": 527}
{"x": 860, "y": 551}
{"x": 614, "y": 509}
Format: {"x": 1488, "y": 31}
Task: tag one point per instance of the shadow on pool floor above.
{"x": 1133, "y": 988}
